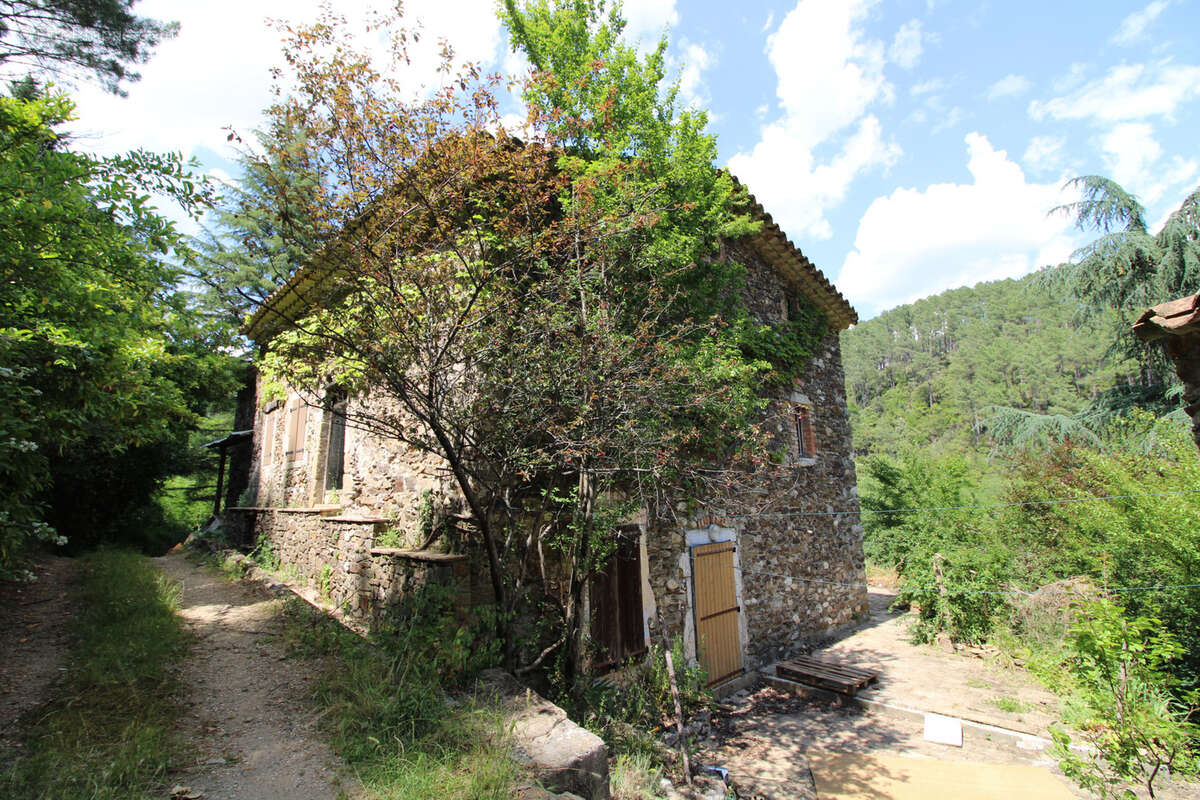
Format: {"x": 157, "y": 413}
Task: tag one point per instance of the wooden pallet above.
{"x": 825, "y": 674}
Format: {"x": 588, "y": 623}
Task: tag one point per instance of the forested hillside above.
{"x": 928, "y": 373}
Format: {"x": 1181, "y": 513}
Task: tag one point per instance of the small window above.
{"x": 805, "y": 441}
{"x": 268, "y": 437}
{"x": 335, "y": 442}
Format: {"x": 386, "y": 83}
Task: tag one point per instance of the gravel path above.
{"x": 247, "y": 715}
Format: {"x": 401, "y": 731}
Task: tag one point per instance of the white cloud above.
{"x": 948, "y": 120}
{"x": 829, "y": 76}
{"x": 913, "y": 243}
{"x": 692, "y": 88}
{"x": 1126, "y": 92}
{"x": 1132, "y": 157}
{"x": 190, "y": 92}
{"x": 927, "y": 87}
{"x": 906, "y": 48}
{"x": 1133, "y": 27}
{"x": 770, "y": 21}
{"x": 1045, "y": 153}
{"x": 1130, "y": 149}
{"x": 1008, "y": 86}
{"x": 647, "y": 20}
{"x": 828, "y": 73}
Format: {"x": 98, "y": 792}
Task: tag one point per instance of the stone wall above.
{"x": 799, "y": 568}
{"x": 338, "y": 555}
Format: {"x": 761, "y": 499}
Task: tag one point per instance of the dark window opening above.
{"x": 618, "y": 630}
{"x": 335, "y": 443}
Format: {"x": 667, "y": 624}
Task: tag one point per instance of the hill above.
{"x": 926, "y": 374}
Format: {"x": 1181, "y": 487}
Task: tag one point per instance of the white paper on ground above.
{"x": 943, "y": 730}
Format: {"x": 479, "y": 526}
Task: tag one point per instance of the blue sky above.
{"x": 907, "y": 146}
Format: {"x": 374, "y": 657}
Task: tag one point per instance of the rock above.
{"x": 563, "y": 756}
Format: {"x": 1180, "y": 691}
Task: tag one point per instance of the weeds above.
{"x": 635, "y": 777}
{"x": 1010, "y": 705}
{"x": 627, "y": 708}
{"x": 385, "y": 705}
{"x": 108, "y": 732}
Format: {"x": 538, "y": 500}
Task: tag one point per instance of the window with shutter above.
{"x": 806, "y": 444}
{"x": 297, "y": 423}
{"x": 335, "y": 442}
{"x": 268, "y": 440}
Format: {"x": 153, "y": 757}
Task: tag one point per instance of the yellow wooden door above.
{"x": 718, "y": 645}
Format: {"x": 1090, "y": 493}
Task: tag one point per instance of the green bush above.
{"x": 1123, "y": 704}
{"x": 626, "y": 708}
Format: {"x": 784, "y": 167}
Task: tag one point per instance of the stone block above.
{"x": 563, "y": 756}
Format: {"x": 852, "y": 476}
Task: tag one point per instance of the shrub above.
{"x": 1124, "y": 706}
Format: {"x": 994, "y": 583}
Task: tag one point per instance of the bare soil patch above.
{"x": 247, "y": 707}
{"x": 925, "y": 678}
{"x": 34, "y": 639}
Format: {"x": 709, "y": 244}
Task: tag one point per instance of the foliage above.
{"x": 106, "y": 366}
{"x": 788, "y": 346}
{"x": 1123, "y": 707}
{"x": 1147, "y": 535}
{"x": 262, "y": 227}
{"x": 551, "y": 315}
{"x": 109, "y": 731}
{"x": 384, "y": 703}
{"x": 932, "y": 373}
{"x": 1128, "y": 269}
{"x": 625, "y": 707}
{"x": 97, "y": 38}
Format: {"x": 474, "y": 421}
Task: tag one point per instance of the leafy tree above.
{"x": 105, "y": 363}
{"x": 550, "y": 316}
{"x": 98, "y": 38}
{"x": 262, "y": 226}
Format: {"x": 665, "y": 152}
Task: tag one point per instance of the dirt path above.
{"x": 247, "y": 713}
{"x": 34, "y": 640}
{"x": 927, "y": 679}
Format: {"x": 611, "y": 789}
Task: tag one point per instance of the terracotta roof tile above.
{"x": 1174, "y": 318}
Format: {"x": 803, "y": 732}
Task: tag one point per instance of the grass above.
{"x": 386, "y": 711}
{"x": 1009, "y": 705}
{"x": 108, "y": 732}
{"x": 880, "y": 575}
{"x": 635, "y": 777}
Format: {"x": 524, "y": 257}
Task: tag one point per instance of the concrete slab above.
{"x": 861, "y": 776}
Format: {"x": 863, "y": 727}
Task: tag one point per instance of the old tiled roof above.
{"x": 288, "y": 301}
{"x": 1174, "y": 318}
{"x": 786, "y": 258}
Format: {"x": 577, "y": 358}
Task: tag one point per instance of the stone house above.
{"x": 757, "y": 575}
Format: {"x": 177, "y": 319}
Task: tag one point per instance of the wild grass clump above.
{"x": 386, "y": 709}
{"x": 108, "y": 732}
{"x": 630, "y": 709}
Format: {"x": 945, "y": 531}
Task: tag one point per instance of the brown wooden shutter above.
{"x": 301, "y": 426}
{"x": 616, "y": 594}
{"x": 806, "y": 442}
{"x": 297, "y": 420}
{"x": 268, "y": 441}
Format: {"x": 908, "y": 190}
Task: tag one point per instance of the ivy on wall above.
{"x": 785, "y": 347}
